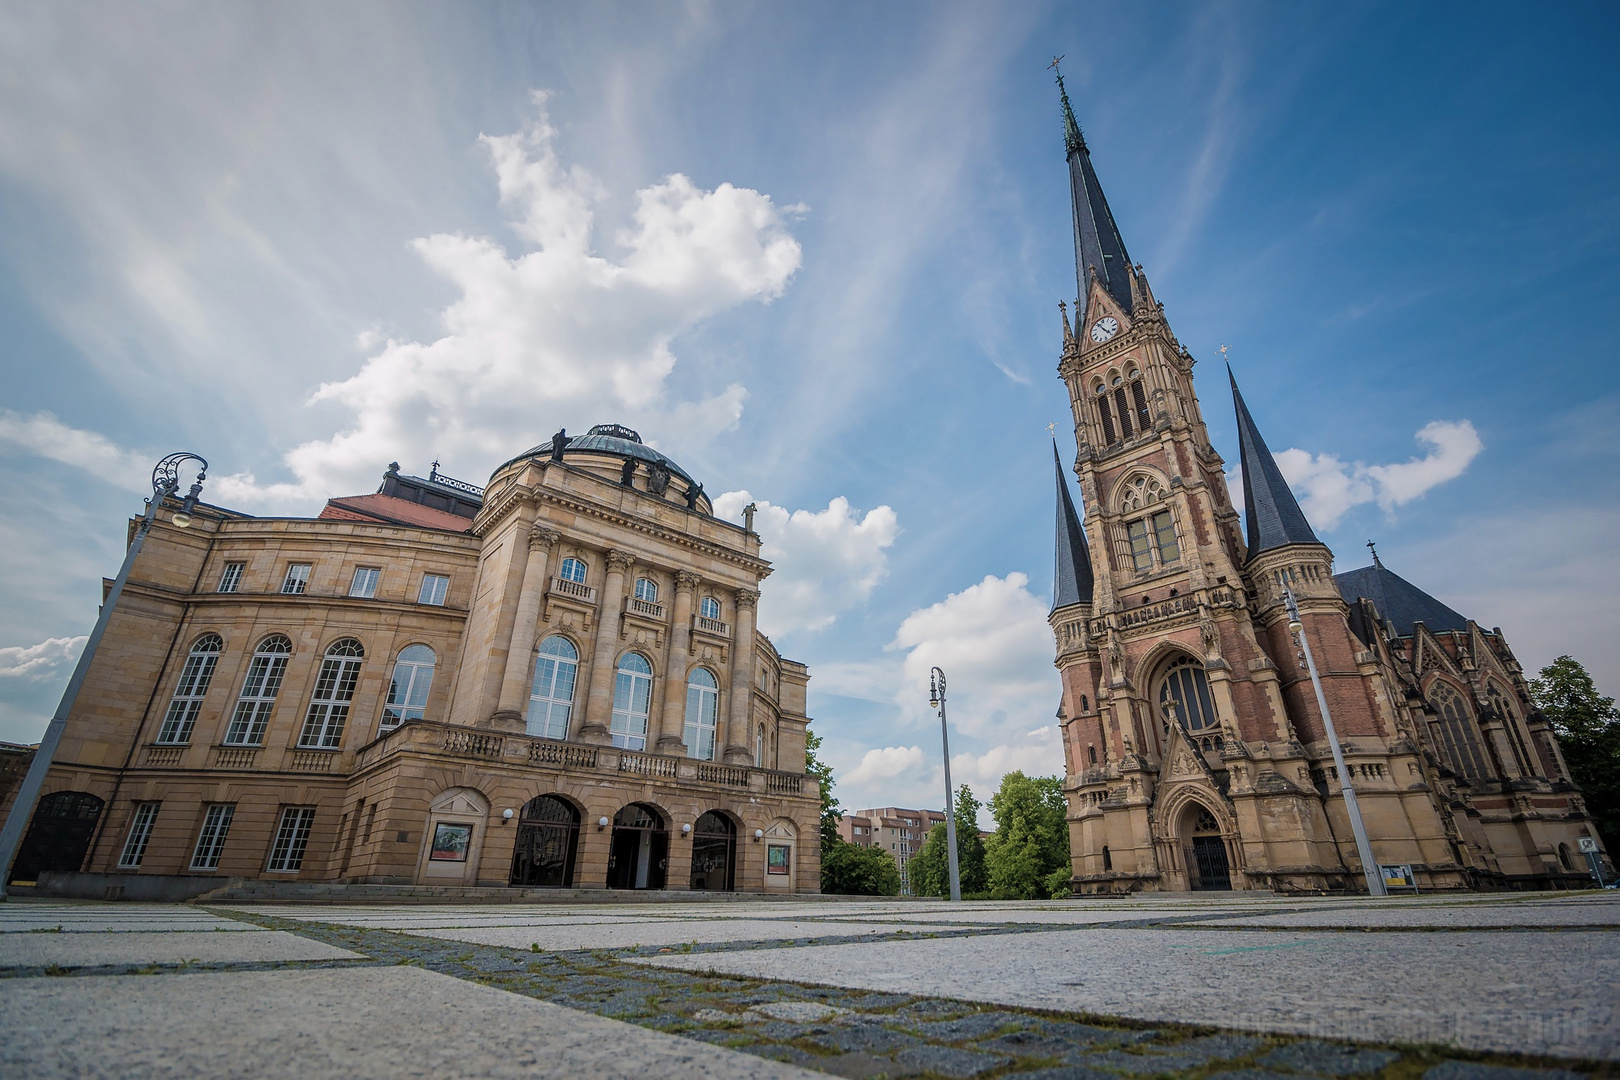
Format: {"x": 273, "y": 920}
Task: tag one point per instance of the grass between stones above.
{"x": 867, "y": 1035}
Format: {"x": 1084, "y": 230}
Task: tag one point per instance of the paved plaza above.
{"x": 1233, "y": 987}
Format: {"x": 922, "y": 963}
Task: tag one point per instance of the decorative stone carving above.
{"x": 543, "y": 539}
{"x": 747, "y": 598}
{"x": 621, "y": 561}
{"x": 686, "y": 581}
{"x": 658, "y": 478}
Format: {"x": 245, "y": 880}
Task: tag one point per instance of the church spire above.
{"x": 1270, "y": 510}
{"x": 1072, "y": 582}
{"x": 1098, "y": 247}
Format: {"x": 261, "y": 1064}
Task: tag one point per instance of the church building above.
{"x": 1196, "y": 755}
{"x": 551, "y": 682}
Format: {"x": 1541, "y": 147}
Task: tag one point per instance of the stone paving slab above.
{"x": 96, "y": 950}
{"x": 380, "y": 1022}
{"x": 1489, "y": 990}
{"x": 1601, "y": 913}
{"x": 26, "y": 916}
{"x": 624, "y": 935}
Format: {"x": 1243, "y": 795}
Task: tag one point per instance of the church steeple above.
{"x": 1098, "y": 247}
{"x": 1072, "y": 581}
{"x": 1270, "y": 511}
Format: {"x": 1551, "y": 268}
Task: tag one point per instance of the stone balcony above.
{"x": 422, "y": 737}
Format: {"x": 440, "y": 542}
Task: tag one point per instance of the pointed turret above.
{"x": 1270, "y": 510}
{"x": 1072, "y": 582}
{"x": 1098, "y": 247}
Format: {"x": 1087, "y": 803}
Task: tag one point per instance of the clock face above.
{"x": 1104, "y": 328}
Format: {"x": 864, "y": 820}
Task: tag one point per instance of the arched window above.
{"x": 334, "y": 691}
{"x": 1184, "y": 697}
{"x": 551, "y": 698}
{"x": 1133, "y": 379}
{"x": 632, "y": 700}
{"x": 265, "y": 673}
{"x": 188, "y": 693}
{"x": 1510, "y": 723}
{"x": 1122, "y": 406}
{"x": 1457, "y": 733}
{"x": 1140, "y": 491}
{"x": 759, "y": 747}
{"x": 709, "y": 608}
{"x": 647, "y": 590}
{"x": 408, "y": 689}
{"x": 572, "y": 570}
{"x": 702, "y": 713}
{"x": 1150, "y": 539}
{"x": 1105, "y": 414}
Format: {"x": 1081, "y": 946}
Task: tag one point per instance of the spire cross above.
{"x": 1222, "y": 351}
{"x": 1051, "y": 429}
{"x": 1374, "y": 548}
{"x": 1053, "y": 66}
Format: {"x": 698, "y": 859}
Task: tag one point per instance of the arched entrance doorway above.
{"x": 714, "y": 853}
{"x": 639, "y": 857}
{"x": 59, "y": 835}
{"x": 547, "y": 841}
{"x": 1207, "y": 866}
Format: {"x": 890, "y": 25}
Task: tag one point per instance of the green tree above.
{"x": 831, "y": 814}
{"x": 930, "y": 870}
{"x": 852, "y": 870}
{"x": 1028, "y": 858}
{"x": 1588, "y": 729}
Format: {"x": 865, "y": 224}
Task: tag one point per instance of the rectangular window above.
{"x": 1164, "y": 534}
{"x": 1141, "y": 549}
{"x": 329, "y": 707}
{"x": 297, "y": 579}
{"x": 292, "y": 834}
{"x": 140, "y": 831}
{"x": 211, "y": 841}
{"x": 232, "y": 577}
{"x": 364, "y": 583}
{"x": 434, "y": 588}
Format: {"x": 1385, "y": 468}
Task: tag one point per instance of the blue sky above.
{"x": 463, "y": 220}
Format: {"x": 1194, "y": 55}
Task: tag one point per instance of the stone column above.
{"x": 598, "y": 711}
{"x": 515, "y": 683}
{"x": 672, "y": 735}
{"x": 739, "y": 746}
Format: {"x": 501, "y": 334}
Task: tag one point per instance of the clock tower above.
{"x": 1193, "y": 749}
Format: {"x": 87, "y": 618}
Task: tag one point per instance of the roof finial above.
{"x": 433, "y": 473}
{"x": 1073, "y": 138}
{"x": 1374, "y": 549}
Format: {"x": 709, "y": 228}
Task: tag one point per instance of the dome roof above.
{"x": 610, "y": 439}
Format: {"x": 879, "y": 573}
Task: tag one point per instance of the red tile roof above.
{"x": 391, "y": 511}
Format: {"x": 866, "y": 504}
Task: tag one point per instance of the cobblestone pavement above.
{"x": 675, "y": 986}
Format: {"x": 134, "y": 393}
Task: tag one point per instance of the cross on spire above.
{"x": 1222, "y": 351}
{"x": 1374, "y": 549}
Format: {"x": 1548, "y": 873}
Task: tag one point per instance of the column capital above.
{"x": 542, "y": 538}
{"x": 747, "y": 598}
{"x": 620, "y": 561}
{"x": 686, "y": 581}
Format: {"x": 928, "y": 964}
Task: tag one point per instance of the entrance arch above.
{"x": 1208, "y": 868}
{"x": 639, "y": 857}
{"x": 59, "y": 836}
{"x": 547, "y": 843}
{"x": 714, "y": 853}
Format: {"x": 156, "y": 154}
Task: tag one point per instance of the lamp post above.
{"x": 1369, "y": 868}
{"x": 165, "y": 482}
{"x": 936, "y": 698}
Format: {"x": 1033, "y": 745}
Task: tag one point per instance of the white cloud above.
{"x": 44, "y": 435}
{"x": 558, "y": 331}
{"x": 994, "y": 645}
{"x": 826, "y": 561}
{"x": 42, "y": 661}
{"x": 1037, "y": 753}
{"x": 886, "y": 764}
{"x": 1328, "y": 488}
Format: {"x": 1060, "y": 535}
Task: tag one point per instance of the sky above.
{"x": 814, "y": 253}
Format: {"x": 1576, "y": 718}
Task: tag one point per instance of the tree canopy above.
{"x": 1588, "y": 728}
{"x": 852, "y": 870}
{"x": 1028, "y": 858}
{"x": 930, "y": 868}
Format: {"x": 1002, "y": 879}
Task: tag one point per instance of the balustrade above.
{"x": 575, "y": 589}
{"x": 161, "y": 756}
{"x": 231, "y": 757}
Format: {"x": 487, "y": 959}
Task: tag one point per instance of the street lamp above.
{"x": 1375, "y": 879}
{"x": 936, "y": 698}
{"x": 165, "y": 482}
